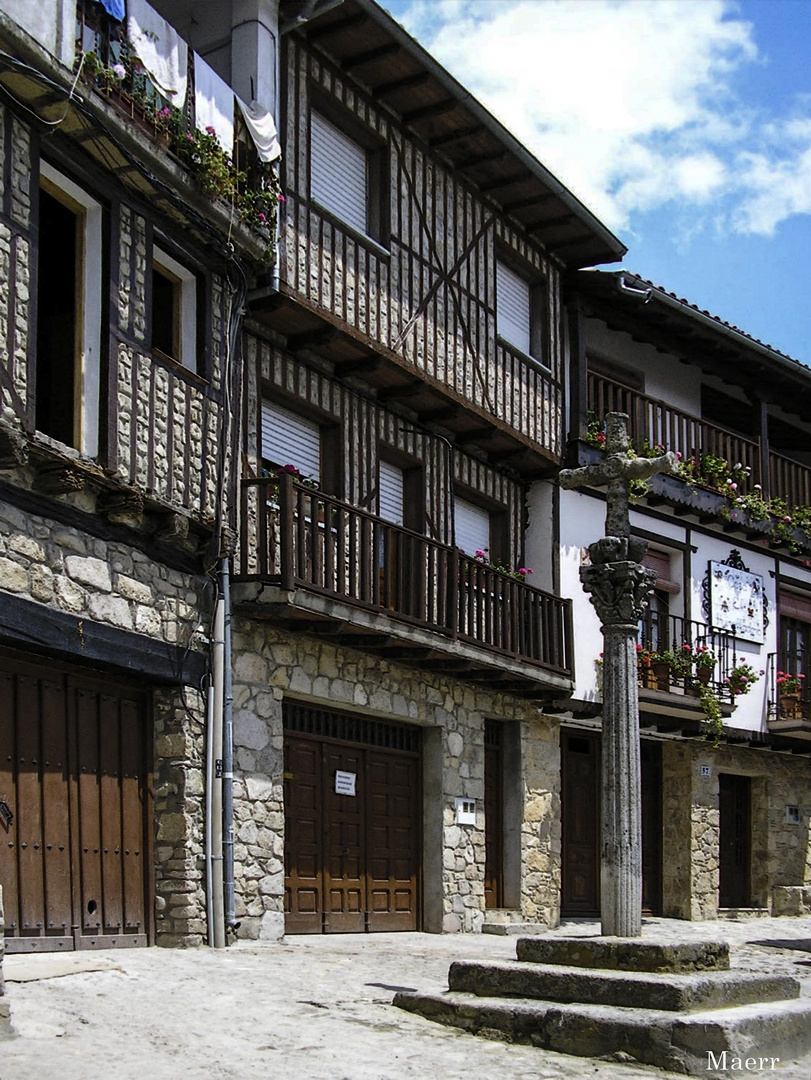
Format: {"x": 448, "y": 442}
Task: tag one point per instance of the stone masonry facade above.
{"x": 270, "y": 666}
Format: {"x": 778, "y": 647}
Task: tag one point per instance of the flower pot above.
{"x": 661, "y": 671}
{"x": 790, "y": 705}
{"x": 646, "y": 677}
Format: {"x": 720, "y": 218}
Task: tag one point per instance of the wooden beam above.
{"x": 441, "y": 141}
{"x": 525, "y": 204}
{"x": 361, "y": 364}
{"x": 395, "y": 85}
{"x": 331, "y": 29}
{"x": 368, "y": 56}
{"x": 550, "y": 223}
{"x": 476, "y": 434}
{"x": 438, "y": 108}
{"x": 506, "y": 181}
{"x": 396, "y": 393}
{"x": 447, "y": 412}
{"x": 323, "y": 335}
{"x": 480, "y": 159}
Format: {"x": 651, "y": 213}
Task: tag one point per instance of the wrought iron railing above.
{"x": 297, "y": 537}
{"x": 675, "y": 655}
{"x": 789, "y": 676}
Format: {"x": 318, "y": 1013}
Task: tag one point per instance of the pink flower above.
{"x": 787, "y": 518}
{"x": 280, "y": 197}
{"x": 678, "y": 455}
{"x": 262, "y": 218}
{"x": 210, "y": 130}
{"x": 733, "y": 486}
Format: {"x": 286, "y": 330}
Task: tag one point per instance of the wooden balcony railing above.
{"x": 299, "y": 538}
{"x": 655, "y": 423}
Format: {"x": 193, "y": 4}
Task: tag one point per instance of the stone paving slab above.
{"x": 672, "y": 993}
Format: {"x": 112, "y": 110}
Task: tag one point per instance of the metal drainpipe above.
{"x": 227, "y": 754}
{"x": 215, "y": 785}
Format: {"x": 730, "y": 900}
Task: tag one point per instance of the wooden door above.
{"x": 73, "y": 774}
{"x": 493, "y": 817}
{"x": 735, "y": 843}
{"x": 392, "y": 853}
{"x": 580, "y": 811}
{"x": 352, "y": 857}
{"x": 651, "y": 767}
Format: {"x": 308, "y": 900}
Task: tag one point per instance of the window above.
{"x": 519, "y": 307}
{"x": 654, "y": 628}
{"x": 69, "y": 304}
{"x": 391, "y": 493}
{"x": 290, "y": 439}
{"x": 472, "y": 527}
{"x": 346, "y": 177}
{"x": 174, "y": 310}
{"x": 795, "y": 633}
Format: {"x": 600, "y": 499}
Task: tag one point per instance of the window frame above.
{"x": 187, "y": 302}
{"x": 537, "y": 283}
{"x": 349, "y": 127}
{"x": 91, "y": 260}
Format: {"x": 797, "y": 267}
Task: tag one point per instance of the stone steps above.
{"x": 726, "y": 1042}
{"x": 666, "y": 992}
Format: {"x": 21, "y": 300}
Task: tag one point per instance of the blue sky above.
{"x": 685, "y": 125}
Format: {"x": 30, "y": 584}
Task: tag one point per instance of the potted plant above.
{"x": 653, "y": 670}
{"x": 741, "y": 678}
{"x": 704, "y": 661}
{"x": 789, "y": 695}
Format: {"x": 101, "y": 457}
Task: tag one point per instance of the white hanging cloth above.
{"x": 213, "y": 103}
{"x": 160, "y": 49}
{"x": 262, "y": 129}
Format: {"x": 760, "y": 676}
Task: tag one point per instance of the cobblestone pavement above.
{"x": 311, "y": 1008}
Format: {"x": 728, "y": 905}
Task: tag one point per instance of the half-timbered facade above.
{"x": 723, "y": 651}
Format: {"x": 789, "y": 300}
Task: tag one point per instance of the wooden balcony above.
{"x": 327, "y": 567}
{"x": 655, "y": 423}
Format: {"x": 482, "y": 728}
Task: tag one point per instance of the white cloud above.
{"x": 631, "y": 103}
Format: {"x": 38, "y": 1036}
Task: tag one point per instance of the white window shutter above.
{"x": 472, "y": 525}
{"x": 290, "y": 439}
{"x": 391, "y": 493}
{"x": 513, "y": 307}
{"x": 338, "y": 173}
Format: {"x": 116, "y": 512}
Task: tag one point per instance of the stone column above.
{"x": 618, "y": 591}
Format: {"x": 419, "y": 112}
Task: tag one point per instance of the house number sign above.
{"x": 736, "y": 601}
{"x": 344, "y": 783}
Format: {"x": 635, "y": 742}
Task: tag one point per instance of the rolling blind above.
{"x": 512, "y": 307}
{"x": 391, "y": 500}
{"x": 472, "y": 527}
{"x": 338, "y": 175}
{"x": 290, "y": 439}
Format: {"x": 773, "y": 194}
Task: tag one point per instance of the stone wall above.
{"x": 780, "y": 849}
{"x": 73, "y": 571}
{"x": 540, "y": 827}
{"x": 270, "y": 665}
{"x": 179, "y": 808}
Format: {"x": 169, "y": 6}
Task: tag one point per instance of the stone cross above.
{"x": 619, "y": 588}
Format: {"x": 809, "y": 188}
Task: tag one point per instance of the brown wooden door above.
{"x": 581, "y": 825}
{"x": 73, "y": 859}
{"x": 351, "y": 860}
{"x": 650, "y": 754}
{"x": 735, "y": 844}
{"x": 493, "y": 817}
{"x": 580, "y": 811}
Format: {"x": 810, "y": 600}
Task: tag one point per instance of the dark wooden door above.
{"x": 351, "y": 859}
{"x": 73, "y": 773}
{"x": 580, "y": 811}
{"x": 650, "y": 754}
{"x": 735, "y": 844}
{"x": 493, "y": 817}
